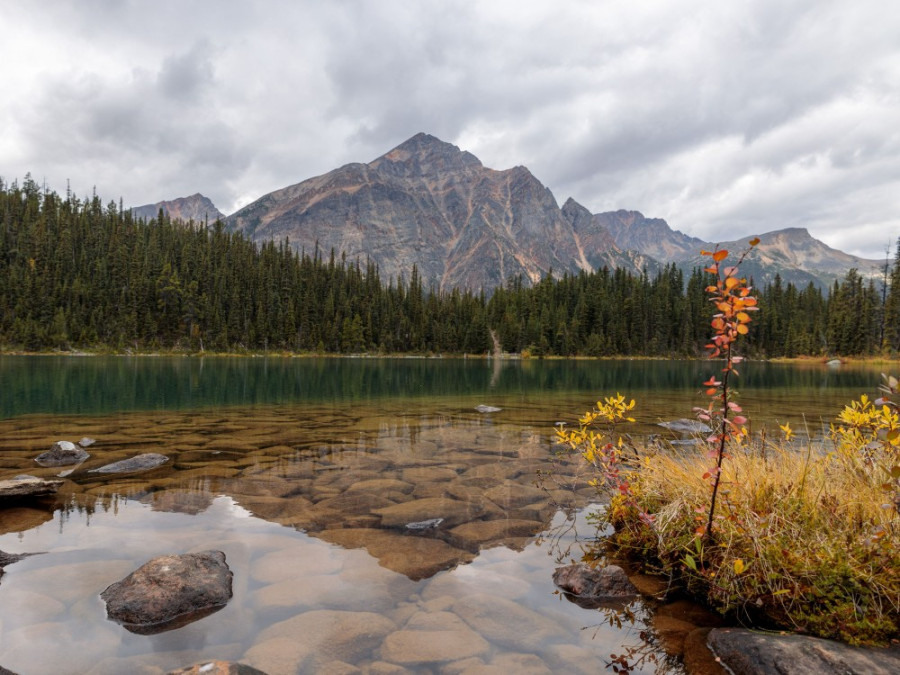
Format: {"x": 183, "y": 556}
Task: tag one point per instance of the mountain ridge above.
{"x": 196, "y": 207}
{"x": 430, "y": 204}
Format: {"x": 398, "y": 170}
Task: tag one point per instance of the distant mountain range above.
{"x": 428, "y": 203}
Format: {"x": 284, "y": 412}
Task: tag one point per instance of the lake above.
{"x": 306, "y": 473}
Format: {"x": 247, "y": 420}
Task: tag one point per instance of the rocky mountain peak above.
{"x": 425, "y": 155}
{"x": 196, "y": 207}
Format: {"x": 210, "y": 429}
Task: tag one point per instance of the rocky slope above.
{"x": 792, "y": 253}
{"x": 797, "y": 257}
{"x": 428, "y": 203}
{"x": 650, "y": 236}
{"x": 198, "y": 208}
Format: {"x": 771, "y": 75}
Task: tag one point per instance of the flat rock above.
{"x": 487, "y": 408}
{"x": 584, "y": 581}
{"x": 686, "y": 426}
{"x": 217, "y": 668}
{"x": 508, "y": 623}
{"x": 25, "y": 486}
{"x": 418, "y": 475}
{"x": 330, "y": 591}
{"x": 472, "y": 536}
{"x": 279, "y": 655}
{"x": 143, "y": 462}
{"x": 62, "y": 453}
{"x": 511, "y": 495}
{"x": 414, "y": 647}
{"x": 746, "y": 652}
{"x": 381, "y": 486}
{"x": 170, "y": 591}
{"x": 415, "y": 557}
{"x": 347, "y": 636}
{"x": 453, "y": 511}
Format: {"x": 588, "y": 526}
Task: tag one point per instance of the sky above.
{"x": 725, "y": 118}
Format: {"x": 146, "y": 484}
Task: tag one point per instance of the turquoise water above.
{"x": 292, "y": 467}
{"x": 663, "y": 389}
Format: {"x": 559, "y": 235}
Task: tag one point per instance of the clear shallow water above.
{"x": 295, "y": 468}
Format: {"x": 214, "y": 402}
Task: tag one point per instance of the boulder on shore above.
{"x": 62, "y": 453}
{"x": 747, "y": 652}
{"x": 144, "y": 462}
{"x": 170, "y": 591}
{"x": 586, "y": 582}
{"x": 25, "y": 486}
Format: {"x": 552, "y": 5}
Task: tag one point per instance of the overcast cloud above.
{"x": 724, "y": 118}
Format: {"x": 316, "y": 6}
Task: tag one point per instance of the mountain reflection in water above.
{"x": 307, "y": 475}
{"x": 310, "y": 505}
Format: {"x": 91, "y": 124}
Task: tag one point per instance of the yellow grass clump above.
{"x": 806, "y": 538}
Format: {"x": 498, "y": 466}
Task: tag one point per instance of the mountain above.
{"x": 650, "y": 236}
{"x": 198, "y": 208}
{"x": 428, "y": 203}
{"x": 598, "y": 245}
{"x": 792, "y": 253}
{"x": 798, "y": 257}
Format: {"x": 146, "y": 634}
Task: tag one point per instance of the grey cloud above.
{"x": 186, "y": 77}
{"x": 714, "y": 116}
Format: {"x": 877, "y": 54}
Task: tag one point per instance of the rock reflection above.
{"x": 313, "y": 508}
{"x": 355, "y": 478}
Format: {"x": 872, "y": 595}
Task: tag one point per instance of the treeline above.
{"x": 76, "y": 274}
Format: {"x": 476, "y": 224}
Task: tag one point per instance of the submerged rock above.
{"x": 62, "y": 453}
{"x": 144, "y": 462}
{"x": 217, "y": 668}
{"x": 452, "y": 511}
{"x": 686, "y": 426}
{"x": 746, "y": 652}
{"x": 24, "y": 486}
{"x": 429, "y": 524}
{"x": 487, "y": 408}
{"x": 170, "y": 591}
{"x": 584, "y": 581}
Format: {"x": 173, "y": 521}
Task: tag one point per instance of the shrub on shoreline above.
{"x": 798, "y": 544}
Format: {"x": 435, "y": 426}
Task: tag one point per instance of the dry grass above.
{"x": 803, "y": 539}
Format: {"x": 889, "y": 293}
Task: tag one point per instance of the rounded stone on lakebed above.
{"x": 170, "y": 591}
{"x": 62, "y": 453}
{"x": 143, "y": 462}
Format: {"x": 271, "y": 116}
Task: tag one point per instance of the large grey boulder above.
{"x": 25, "y": 486}
{"x": 144, "y": 462}
{"x": 169, "y": 592}
{"x": 62, "y": 453}
{"x": 746, "y": 652}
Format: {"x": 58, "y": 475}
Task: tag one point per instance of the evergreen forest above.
{"x": 75, "y": 274}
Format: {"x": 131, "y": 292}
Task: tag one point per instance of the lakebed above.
{"x": 310, "y": 494}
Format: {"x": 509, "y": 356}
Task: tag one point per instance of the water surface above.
{"x": 305, "y": 473}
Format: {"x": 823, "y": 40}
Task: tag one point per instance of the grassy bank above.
{"x": 804, "y": 538}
